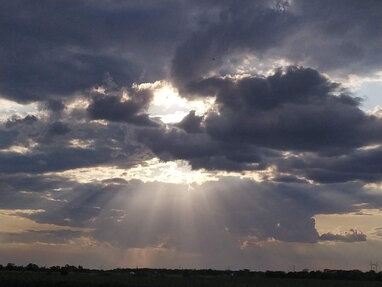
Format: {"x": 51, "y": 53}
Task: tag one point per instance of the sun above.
{"x": 171, "y": 107}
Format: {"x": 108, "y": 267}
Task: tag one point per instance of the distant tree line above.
{"x": 325, "y": 274}
{"x": 34, "y": 267}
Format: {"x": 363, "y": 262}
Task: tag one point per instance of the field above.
{"x": 41, "y": 279}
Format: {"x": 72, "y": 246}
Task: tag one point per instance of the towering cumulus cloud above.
{"x": 195, "y": 133}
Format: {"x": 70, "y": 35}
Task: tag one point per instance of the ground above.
{"x": 115, "y": 279}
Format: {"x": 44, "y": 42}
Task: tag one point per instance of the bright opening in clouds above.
{"x": 203, "y": 134}
{"x": 170, "y": 107}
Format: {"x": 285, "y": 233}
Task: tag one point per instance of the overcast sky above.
{"x": 201, "y": 134}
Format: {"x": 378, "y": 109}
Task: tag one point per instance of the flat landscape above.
{"x": 153, "y": 279}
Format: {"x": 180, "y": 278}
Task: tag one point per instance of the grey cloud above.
{"x": 107, "y": 146}
{"x": 25, "y": 128}
{"x": 296, "y": 110}
{"x": 203, "y": 152}
{"x": 191, "y": 123}
{"x": 30, "y": 183}
{"x": 361, "y": 165}
{"x": 352, "y": 235}
{"x": 28, "y": 119}
{"x": 240, "y": 27}
{"x": 7, "y": 138}
{"x": 378, "y": 231}
{"x": 176, "y": 143}
{"x": 57, "y": 199}
{"x": 114, "y": 108}
{"x": 343, "y": 43}
{"x": 55, "y": 160}
{"x": 58, "y": 48}
{"x": 58, "y": 128}
{"x": 41, "y": 236}
{"x": 69, "y": 144}
{"x": 67, "y": 77}
{"x": 60, "y": 200}
{"x": 55, "y": 105}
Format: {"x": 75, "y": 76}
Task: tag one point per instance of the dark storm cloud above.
{"x": 292, "y": 110}
{"x": 58, "y": 128}
{"x": 23, "y": 128}
{"x": 63, "y": 145}
{"x": 55, "y": 160}
{"x": 28, "y": 119}
{"x": 356, "y": 165}
{"x": 55, "y": 105}
{"x": 71, "y": 74}
{"x": 31, "y": 183}
{"x": 176, "y": 143}
{"x": 352, "y": 236}
{"x": 343, "y": 43}
{"x": 7, "y": 138}
{"x": 191, "y": 123}
{"x": 56, "y": 151}
{"x": 112, "y": 107}
{"x": 296, "y": 109}
{"x": 58, "y": 48}
{"x": 203, "y": 152}
{"x": 241, "y": 26}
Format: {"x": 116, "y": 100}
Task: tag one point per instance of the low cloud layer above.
{"x": 352, "y": 236}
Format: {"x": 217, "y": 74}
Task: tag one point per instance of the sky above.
{"x": 191, "y": 134}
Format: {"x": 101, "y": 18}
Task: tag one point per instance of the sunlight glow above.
{"x": 10, "y": 108}
{"x": 170, "y": 107}
{"x": 78, "y": 143}
{"x": 22, "y": 149}
{"x": 149, "y": 171}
